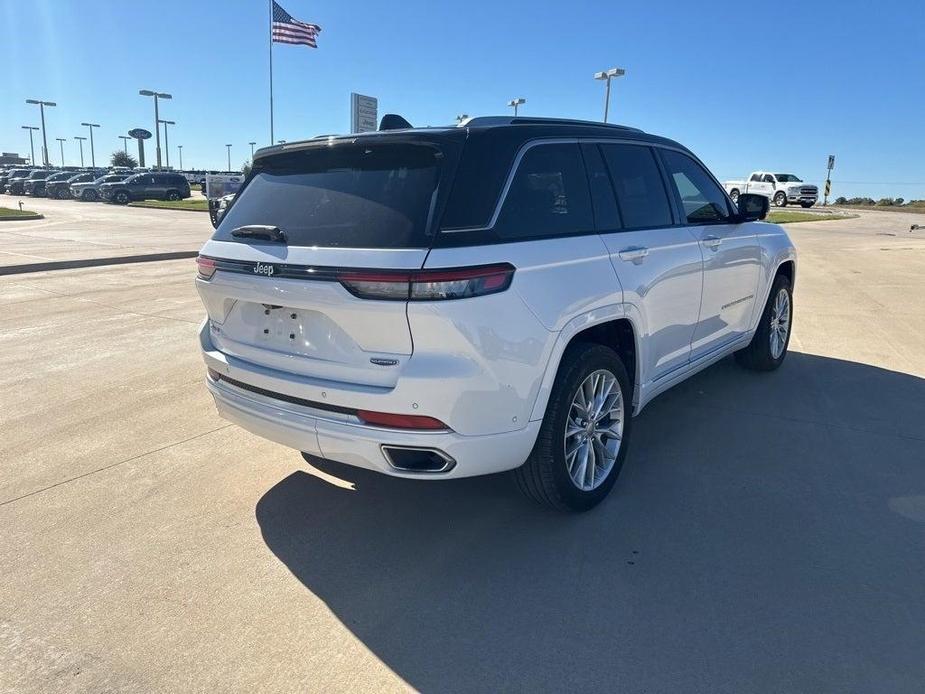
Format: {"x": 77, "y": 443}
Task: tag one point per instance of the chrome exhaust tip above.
{"x": 416, "y": 459}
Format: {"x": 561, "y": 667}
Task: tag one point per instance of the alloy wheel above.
{"x": 780, "y": 323}
{"x": 594, "y": 430}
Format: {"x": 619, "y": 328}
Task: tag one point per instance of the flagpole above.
{"x": 272, "y": 140}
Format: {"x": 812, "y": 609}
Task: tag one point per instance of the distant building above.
{"x": 12, "y": 159}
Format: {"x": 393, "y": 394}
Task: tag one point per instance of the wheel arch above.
{"x": 613, "y": 326}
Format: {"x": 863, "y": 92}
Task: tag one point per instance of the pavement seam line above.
{"x": 112, "y": 465}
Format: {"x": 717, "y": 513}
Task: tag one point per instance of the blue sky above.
{"x": 778, "y": 90}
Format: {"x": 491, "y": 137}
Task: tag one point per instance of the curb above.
{"x": 158, "y": 207}
{"x": 95, "y": 262}
{"x": 22, "y": 218}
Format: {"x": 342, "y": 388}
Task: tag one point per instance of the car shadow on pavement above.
{"x": 766, "y": 535}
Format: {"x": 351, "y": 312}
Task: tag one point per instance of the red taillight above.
{"x": 206, "y": 267}
{"x": 429, "y": 285}
{"x": 400, "y": 421}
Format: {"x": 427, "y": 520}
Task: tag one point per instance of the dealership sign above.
{"x": 364, "y": 111}
{"x": 140, "y": 134}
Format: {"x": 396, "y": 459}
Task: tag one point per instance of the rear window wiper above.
{"x": 259, "y": 231}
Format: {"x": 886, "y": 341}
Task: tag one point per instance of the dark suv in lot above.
{"x": 146, "y": 186}
{"x": 59, "y": 185}
{"x": 25, "y": 184}
{"x": 42, "y": 187}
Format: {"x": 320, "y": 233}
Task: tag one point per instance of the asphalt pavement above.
{"x": 767, "y": 533}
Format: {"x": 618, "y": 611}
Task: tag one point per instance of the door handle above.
{"x": 712, "y": 242}
{"x": 633, "y": 254}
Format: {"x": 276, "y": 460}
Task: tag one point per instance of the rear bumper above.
{"x": 339, "y": 437}
{"x": 308, "y": 430}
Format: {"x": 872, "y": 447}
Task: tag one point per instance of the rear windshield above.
{"x": 346, "y": 196}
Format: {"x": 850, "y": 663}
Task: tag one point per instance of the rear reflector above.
{"x": 400, "y": 421}
{"x": 206, "y": 267}
{"x": 428, "y": 285}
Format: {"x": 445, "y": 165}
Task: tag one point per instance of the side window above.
{"x": 701, "y": 199}
{"x": 756, "y": 178}
{"x": 606, "y": 215}
{"x": 548, "y": 195}
{"x": 768, "y": 178}
{"x": 638, "y": 184}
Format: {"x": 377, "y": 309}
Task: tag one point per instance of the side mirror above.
{"x": 752, "y": 207}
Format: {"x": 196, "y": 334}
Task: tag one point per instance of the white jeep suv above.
{"x": 435, "y": 303}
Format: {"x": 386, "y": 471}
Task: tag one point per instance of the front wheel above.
{"x": 173, "y": 195}
{"x": 121, "y": 198}
{"x": 768, "y": 347}
{"x": 585, "y": 433}
{"x": 780, "y": 200}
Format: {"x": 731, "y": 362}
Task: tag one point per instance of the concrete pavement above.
{"x": 767, "y": 532}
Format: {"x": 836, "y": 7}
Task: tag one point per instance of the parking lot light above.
{"x": 125, "y": 139}
{"x": 61, "y": 141}
{"x": 80, "y": 141}
{"x": 42, "y": 105}
{"x": 515, "y": 103}
{"x": 180, "y": 150}
{"x": 166, "y": 141}
{"x": 608, "y": 75}
{"x": 229, "y": 158}
{"x": 157, "y": 118}
{"x": 252, "y": 149}
{"x": 30, "y": 128}
{"x": 92, "y": 152}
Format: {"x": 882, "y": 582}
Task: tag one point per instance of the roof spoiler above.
{"x": 392, "y": 121}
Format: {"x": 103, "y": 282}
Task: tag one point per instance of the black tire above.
{"x": 780, "y": 199}
{"x": 806, "y": 205}
{"x": 734, "y": 195}
{"x": 172, "y": 195}
{"x": 120, "y": 197}
{"x": 758, "y": 356}
{"x": 544, "y": 477}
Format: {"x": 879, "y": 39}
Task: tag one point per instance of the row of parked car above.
{"x": 91, "y": 185}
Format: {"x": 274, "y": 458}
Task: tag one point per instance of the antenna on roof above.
{"x": 392, "y": 121}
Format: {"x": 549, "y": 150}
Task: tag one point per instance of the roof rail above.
{"x": 524, "y": 120}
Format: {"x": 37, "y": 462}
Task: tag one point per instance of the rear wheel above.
{"x": 769, "y": 345}
{"x": 780, "y": 199}
{"x": 173, "y": 195}
{"x": 583, "y": 440}
{"x": 121, "y": 197}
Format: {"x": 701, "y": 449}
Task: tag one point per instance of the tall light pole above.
{"x": 608, "y": 75}
{"x": 252, "y": 149}
{"x": 180, "y": 149}
{"x": 166, "y": 142}
{"x": 30, "y": 128}
{"x": 62, "y": 140}
{"x": 515, "y": 103}
{"x": 80, "y": 141}
{"x": 461, "y": 117}
{"x": 92, "y": 152}
{"x": 157, "y": 118}
{"x": 42, "y": 105}
{"x": 229, "y": 158}
{"x": 125, "y": 139}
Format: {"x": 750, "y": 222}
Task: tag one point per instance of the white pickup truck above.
{"x": 781, "y": 188}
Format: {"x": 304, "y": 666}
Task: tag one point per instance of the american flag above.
{"x": 289, "y": 30}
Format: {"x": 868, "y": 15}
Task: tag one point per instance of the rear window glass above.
{"x": 347, "y": 196}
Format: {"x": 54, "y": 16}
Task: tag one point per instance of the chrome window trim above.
{"x": 530, "y": 144}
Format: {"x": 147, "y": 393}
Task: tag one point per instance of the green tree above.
{"x": 246, "y": 168}
{"x": 841, "y": 201}
{"x": 121, "y": 158}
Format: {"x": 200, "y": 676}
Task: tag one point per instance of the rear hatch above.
{"x": 312, "y": 221}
